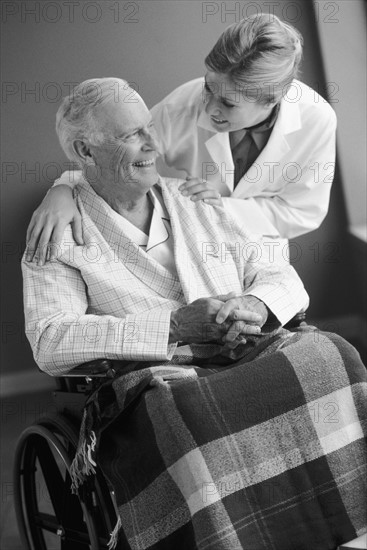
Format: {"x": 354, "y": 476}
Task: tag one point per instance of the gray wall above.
{"x": 157, "y": 45}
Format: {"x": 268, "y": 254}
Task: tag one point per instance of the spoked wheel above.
{"x": 49, "y": 516}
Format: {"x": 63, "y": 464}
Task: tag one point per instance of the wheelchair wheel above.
{"x": 49, "y": 516}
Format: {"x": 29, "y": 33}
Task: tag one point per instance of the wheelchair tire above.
{"x": 49, "y": 516}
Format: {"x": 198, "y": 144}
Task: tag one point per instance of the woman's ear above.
{"x": 82, "y": 150}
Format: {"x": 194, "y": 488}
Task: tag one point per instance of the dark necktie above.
{"x": 246, "y": 151}
{"x": 244, "y": 155}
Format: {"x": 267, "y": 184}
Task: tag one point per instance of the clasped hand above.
{"x": 223, "y": 319}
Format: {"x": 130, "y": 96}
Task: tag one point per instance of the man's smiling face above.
{"x": 128, "y": 152}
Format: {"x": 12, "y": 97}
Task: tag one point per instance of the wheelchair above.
{"x": 49, "y": 515}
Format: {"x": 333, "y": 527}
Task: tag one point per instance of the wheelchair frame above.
{"x": 47, "y": 512}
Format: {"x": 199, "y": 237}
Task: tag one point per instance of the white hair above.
{"x": 75, "y": 117}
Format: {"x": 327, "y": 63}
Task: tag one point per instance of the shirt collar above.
{"x": 157, "y": 232}
{"x": 260, "y": 132}
{"x": 266, "y": 124}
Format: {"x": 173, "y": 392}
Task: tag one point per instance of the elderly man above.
{"x": 155, "y": 267}
{"x": 163, "y": 283}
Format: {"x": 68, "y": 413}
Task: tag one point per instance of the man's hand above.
{"x": 199, "y": 189}
{"x": 197, "y": 323}
{"x": 246, "y": 313}
{"x": 48, "y": 224}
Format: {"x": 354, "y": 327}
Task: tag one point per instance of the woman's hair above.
{"x": 261, "y": 54}
{"x": 75, "y": 118}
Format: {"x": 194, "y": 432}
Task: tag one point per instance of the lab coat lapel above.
{"x": 219, "y": 149}
{"x": 143, "y": 266}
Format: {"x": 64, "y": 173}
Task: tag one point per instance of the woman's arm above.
{"x": 48, "y": 222}
{"x": 58, "y": 209}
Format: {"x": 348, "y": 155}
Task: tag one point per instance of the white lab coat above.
{"x": 286, "y": 192}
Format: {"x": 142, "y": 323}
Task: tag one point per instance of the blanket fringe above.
{"x": 83, "y": 464}
{"x": 113, "y": 537}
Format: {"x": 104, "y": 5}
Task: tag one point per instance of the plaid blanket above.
{"x": 265, "y": 453}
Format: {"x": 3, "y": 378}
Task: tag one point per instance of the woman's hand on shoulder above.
{"x": 198, "y": 189}
{"x": 48, "y": 223}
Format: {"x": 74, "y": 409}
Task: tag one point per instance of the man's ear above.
{"x": 82, "y": 150}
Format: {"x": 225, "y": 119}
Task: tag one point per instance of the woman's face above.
{"x": 227, "y": 105}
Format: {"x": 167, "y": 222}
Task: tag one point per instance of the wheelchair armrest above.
{"x": 100, "y": 368}
{"x": 296, "y": 320}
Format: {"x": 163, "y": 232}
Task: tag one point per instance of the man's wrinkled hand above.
{"x": 196, "y": 322}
